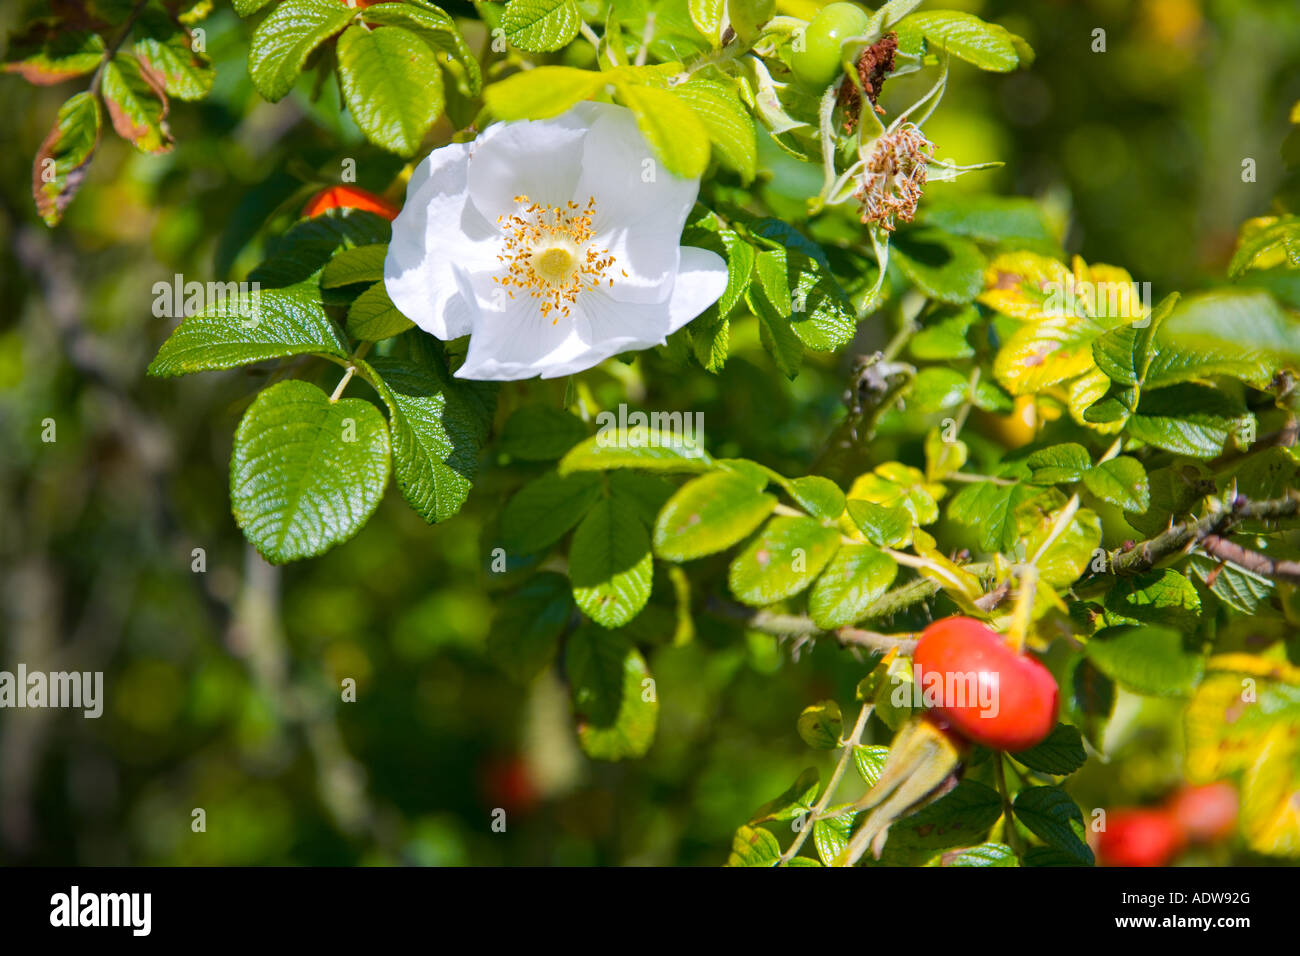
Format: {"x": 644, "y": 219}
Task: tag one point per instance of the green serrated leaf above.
{"x": 870, "y": 761}
{"x": 1059, "y": 464}
{"x": 437, "y": 435}
{"x": 540, "y": 26}
{"x": 168, "y": 48}
{"x": 852, "y": 583}
{"x": 945, "y": 267}
{"x": 1148, "y": 659}
{"x": 48, "y": 53}
{"x": 526, "y": 630}
{"x": 306, "y": 473}
{"x": 392, "y": 85}
{"x": 352, "y": 266}
{"x": 678, "y": 136}
{"x": 818, "y": 496}
{"x": 730, "y": 127}
{"x": 796, "y": 800}
{"x": 372, "y": 316}
{"x": 652, "y": 449}
{"x": 986, "y": 854}
{"x": 545, "y": 509}
{"x": 783, "y": 560}
{"x": 1193, "y": 420}
{"x": 1236, "y": 586}
{"x": 1060, "y": 754}
{"x": 541, "y": 433}
{"x": 614, "y": 700}
{"x": 1122, "y": 482}
{"x": 936, "y": 389}
{"x": 541, "y": 93}
{"x": 820, "y": 725}
{"x": 1054, "y": 818}
{"x": 754, "y": 846}
{"x": 958, "y": 818}
{"x": 710, "y": 514}
{"x": 283, "y": 41}
{"x": 885, "y": 526}
{"x": 966, "y": 36}
{"x": 250, "y": 327}
{"x": 437, "y": 29}
{"x": 1158, "y": 597}
{"x": 610, "y": 563}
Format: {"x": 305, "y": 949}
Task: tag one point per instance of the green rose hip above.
{"x": 818, "y": 63}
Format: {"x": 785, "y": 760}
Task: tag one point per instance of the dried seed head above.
{"x": 893, "y": 180}
{"x": 875, "y": 63}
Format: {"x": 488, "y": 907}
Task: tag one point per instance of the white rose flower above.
{"x": 554, "y": 244}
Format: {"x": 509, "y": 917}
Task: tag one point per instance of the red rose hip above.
{"x": 1139, "y": 838}
{"x": 1207, "y": 813}
{"x": 987, "y": 692}
{"x": 349, "y": 197}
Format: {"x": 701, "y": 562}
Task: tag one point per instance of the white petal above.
{"x": 632, "y": 189}
{"x": 643, "y": 266}
{"x": 539, "y": 159}
{"x": 608, "y": 328}
{"x": 701, "y": 280}
{"x": 512, "y": 340}
{"x": 435, "y": 228}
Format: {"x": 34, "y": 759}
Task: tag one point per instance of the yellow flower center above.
{"x": 548, "y": 254}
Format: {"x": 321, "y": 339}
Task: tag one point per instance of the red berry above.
{"x": 507, "y": 784}
{"x": 988, "y": 693}
{"x": 1206, "y": 814}
{"x": 350, "y": 197}
{"x": 1139, "y": 838}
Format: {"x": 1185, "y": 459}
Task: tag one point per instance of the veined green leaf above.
{"x": 437, "y": 434}
{"x": 306, "y": 473}
{"x": 709, "y": 514}
{"x": 351, "y": 266}
{"x": 527, "y": 628}
{"x": 610, "y": 563}
{"x": 392, "y": 84}
{"x": 1053, "y": 817}
{"x": 283, "y": 41}
{"x": 250, "y": 326}
{"x": 853, "y": 581}
{"x": 616, "y": 709}
{"x": 541, "y": 26}
{"x": 541, "y": 93}
{"x": 678, "y": 136}
{"x": 372, "y": 316}
{"x": 730, "y": 127}
{"x": 541, "y": 433}
{"x": 543, "y": 511}
{"x": 783, "y": 560}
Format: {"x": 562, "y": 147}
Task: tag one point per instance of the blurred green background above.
{"x": 222, "y": 686}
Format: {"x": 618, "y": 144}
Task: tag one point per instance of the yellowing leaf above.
{"x": 1270, "y": 806}
{"x": 898, "y": 485}
{"x": 1018, "y": 284}
{"x": 1045, "y": 353}
{"x": 960, "y": 584}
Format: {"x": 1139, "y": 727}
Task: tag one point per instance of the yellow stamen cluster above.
{"x": 548, "y": 254}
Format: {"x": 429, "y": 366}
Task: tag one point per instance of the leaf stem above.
{"x": 350, "y": 370}
{"x": 1008, "y": 815}
{"x": 832, "y": 785}
{"x": 116, "y": 45}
